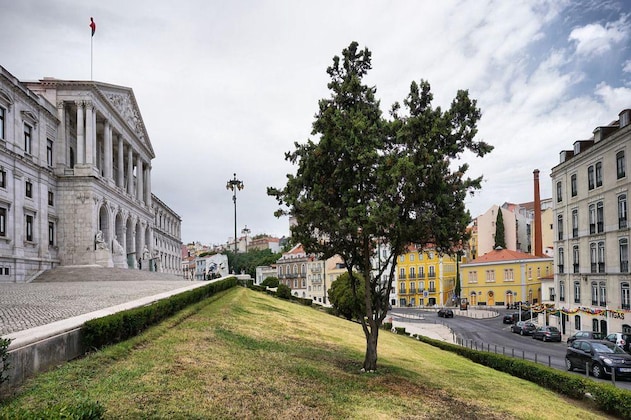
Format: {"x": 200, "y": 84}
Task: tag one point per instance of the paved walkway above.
{"x": 28, "y": 305}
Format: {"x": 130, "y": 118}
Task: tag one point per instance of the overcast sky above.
{"x": 229, "y": 86}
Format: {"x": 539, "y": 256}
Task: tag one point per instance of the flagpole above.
{"x": 91, "y": 59}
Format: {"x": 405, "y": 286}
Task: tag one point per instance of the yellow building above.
{"x": 502, "y": 277}
{"x": 425, "y": 278}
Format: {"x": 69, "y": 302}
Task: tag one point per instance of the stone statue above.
{"x": 99, "y": 242}
{"x": 118, "y": 248}
{"x": 145, "y": 253}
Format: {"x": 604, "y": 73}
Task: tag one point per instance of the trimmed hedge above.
{"x": 607, "y": 397}
{"x": 121, "y": 326}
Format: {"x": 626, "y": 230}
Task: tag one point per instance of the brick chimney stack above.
{"x": 538, "y": 251}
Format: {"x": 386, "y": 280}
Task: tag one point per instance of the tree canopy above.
{"x": 341, "y": 296}
{"x": 367, "y": 181}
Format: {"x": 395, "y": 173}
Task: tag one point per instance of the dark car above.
{"x": 585, "y": 335}
{"x": 508, "y": 319}
{"x": 523, "y": 328}
{"x": 546, "y": 333}
{"x": 600, "y": 357}
{"x": 445, "y": 313}
{"x": 525, "y": 315}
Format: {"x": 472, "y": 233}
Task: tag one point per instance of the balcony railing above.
{"x": 576, "y": 268}
{"x": 402, "y": 276}
{"x": 622, "y": 223}
{"x": 561, "y": 268}
{"x": 592, "y": 267}
{"x": 431, "y": 290}
{"x": 624, "y": 266}
{"x": 601, "y": 267}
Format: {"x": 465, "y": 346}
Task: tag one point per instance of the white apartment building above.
{"x": 591, "y": 231}
{"x": 75, "y": 181}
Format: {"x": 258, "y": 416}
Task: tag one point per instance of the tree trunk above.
{"x": 370, "y": 360}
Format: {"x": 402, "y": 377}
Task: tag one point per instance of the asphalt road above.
{"x": 492, "y": 335}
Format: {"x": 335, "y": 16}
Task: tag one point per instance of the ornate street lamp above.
{"x": 234, "y": 184}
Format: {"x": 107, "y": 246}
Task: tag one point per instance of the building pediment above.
{"x": 124, "y": 102}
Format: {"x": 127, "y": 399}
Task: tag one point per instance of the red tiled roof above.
{"x": 503, "y": 255}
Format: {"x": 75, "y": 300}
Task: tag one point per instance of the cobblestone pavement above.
{"x": 28, "y": 305}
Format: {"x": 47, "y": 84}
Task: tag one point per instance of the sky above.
{"x": 227, "y": 87}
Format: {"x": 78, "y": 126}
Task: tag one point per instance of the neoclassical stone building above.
{"x": 75, "y": 181}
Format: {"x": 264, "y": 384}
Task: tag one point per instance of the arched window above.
{"x": 577, "y": 322}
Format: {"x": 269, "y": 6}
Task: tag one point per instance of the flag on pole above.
{"x": 92, "y": 26}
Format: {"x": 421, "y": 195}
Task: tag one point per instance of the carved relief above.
{"x": 83, "y": 196}
{"x": 124, "y": 105}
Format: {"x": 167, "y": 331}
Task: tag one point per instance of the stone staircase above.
{"x": 98, "y": 273}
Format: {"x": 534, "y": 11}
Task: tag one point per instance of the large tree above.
{"x": 369, "y": 182}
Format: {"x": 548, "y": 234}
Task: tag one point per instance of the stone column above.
{"x": 139, "y": 176}
{"x": 89, "y": 133}
{"x": 60, "y": 148}
{"x": 130, "y": 171}
{"x": 121, "y": 163}
{"x": 107, "y": 153}
{"x": 148, "y": 185}
{"x": 80, "y": 133}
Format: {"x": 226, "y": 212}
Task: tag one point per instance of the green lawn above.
{"x": 243, "y": 354}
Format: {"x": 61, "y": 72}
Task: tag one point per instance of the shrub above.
{"x": 387, "y": 326}
{"x": 270, "y": 282}
{"x": 4, "y": 359}
{"x": 120, "y": 326}
{"x": 283, "y": 291}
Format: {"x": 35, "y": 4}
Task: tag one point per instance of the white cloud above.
{"x": 595, "y": 39}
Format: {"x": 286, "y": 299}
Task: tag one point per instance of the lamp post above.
{"x": 234, "y": 184}
{"x": 246, "y": 232}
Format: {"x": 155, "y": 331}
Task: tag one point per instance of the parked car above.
{"x": 508, "y": 319}
{"x": 621, "y": 340}
{"x": 547, "y": 333}
{"x": 585, "y": 335}
{"x": 525, "y": 315}
{"x": 600, "y": 357}
{"x": 445, "y": 313}
{"x": 523, "y": 327}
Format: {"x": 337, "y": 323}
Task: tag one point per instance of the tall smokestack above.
{"x": 538, "y": 244}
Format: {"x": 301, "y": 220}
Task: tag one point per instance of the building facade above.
{"x": 425, "y": 278}
{"x": 591, "y": 231}
{"x": 503, "y": 277}
{"x": 75, "y": 181}
{"x": 292, "y": 270}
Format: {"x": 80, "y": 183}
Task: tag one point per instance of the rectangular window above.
{"x": 473, "y": 276}
{"x": 623, "y": 246}
{"x": 601, "y": 257}
{"x": 551, "y": 293}
{"x": 590, "y": 177}
{"x": 575, "y": 223}
{"x": 600, "y": 217}
{"x": 559, "y": 192}
{"x": 490, "y": 276}
{"x": 625, "y": 298}
{"x": 402, "y": 287}
{"x": 28, "y": 134}
{"x": 574, "y": 185}
{"x": 592, "y": 218}
{"x": 3, "y": 221}
{"x": 560, "y": 260}
{"x": 28, "y": 189}
{"x": 622, "y": 211}
{"x": 593, "y": 257}
{"x": 599, "y": 174}
{"x": 620, "y": 165}
{"x": 421, "y": 273}
{"x": 29, "y": 228}
{"x": 3, "y": 116}
{"x": 577, "y": 292}
{"x": 508, "y": 274}
{"x": 594, "y": 293}
{"x": 432, "y": 286}
{"x": 402, "y": 273}
{"x": 49, "y": 152}
{"x": 562, "y": 291}
{"x": 412, "y": 287}
{"x": 3, "y": 178}
{"x": 603, "y": 293}
{"x": 51, "y": 233}
{"x": 575, "y": 259}
{"x": 412, "y": 273}
{"x": 560, "y": 227}
{"x": 432, "y": 273}
{"x": 51, "y": 198}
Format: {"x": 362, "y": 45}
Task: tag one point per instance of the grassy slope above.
{"x": 244, "y": 354}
